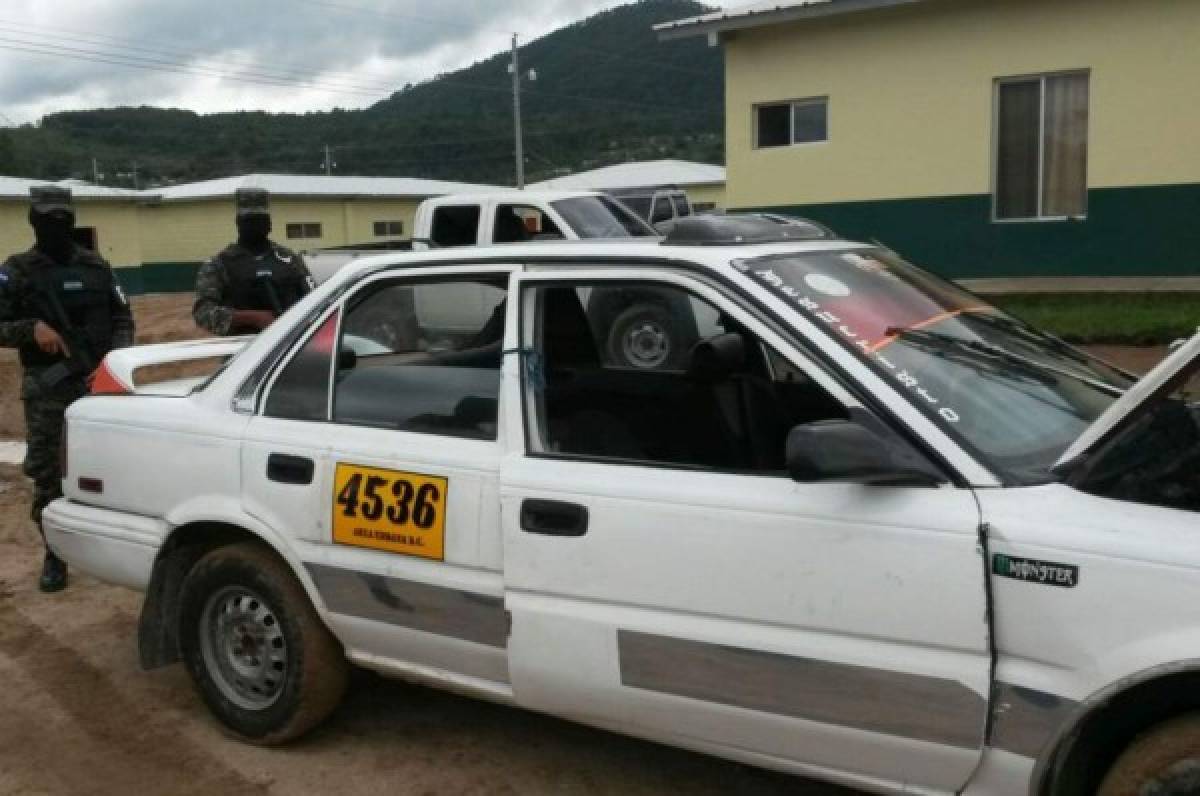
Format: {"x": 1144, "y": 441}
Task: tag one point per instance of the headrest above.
{"x": 715, "y": 358}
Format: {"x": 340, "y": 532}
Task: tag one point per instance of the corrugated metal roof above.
{"x": 302, "y": 185}
{"x": 639, "y": 174}
{"x": 772, "y": 12}
{"x": 18, "y": 188}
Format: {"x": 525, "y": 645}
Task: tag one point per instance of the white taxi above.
{"x": 819, "y": 511}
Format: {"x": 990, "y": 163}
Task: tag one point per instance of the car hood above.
{"x": 1165, "y": 378}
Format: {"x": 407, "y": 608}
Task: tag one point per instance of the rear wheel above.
{"x": 1165, "y": 761}
{"x": 261, "y": 658}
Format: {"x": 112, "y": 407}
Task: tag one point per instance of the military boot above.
{"x": 54, "y": 574}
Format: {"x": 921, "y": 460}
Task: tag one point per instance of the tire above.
{"x": 1165, "y": 761}
{"x": 646, "y": 337}
{"x": 261, "y": 658}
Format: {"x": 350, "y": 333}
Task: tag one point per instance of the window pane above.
{"x": 811, "y": 121}
{"x": 302, "y": 390}
{"x": 456, "y": 225}
{"x": 662, "y": 210}
{"x": 426, "y": 358}
{"x": 1065, "y": 168}
{"x": 651, "y": 373}
{"x": 774, "y": 125}
{"x": 1018, "y": 130}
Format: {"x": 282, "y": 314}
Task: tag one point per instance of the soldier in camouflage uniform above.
{"x": 61, "y": 308}
{"x": 253, "y": 281}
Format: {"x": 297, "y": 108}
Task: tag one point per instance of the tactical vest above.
{"x": 249, "y": 275}
{"x": 85, "y": 295}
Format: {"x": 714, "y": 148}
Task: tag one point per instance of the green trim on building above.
{"x": 158, "y": 278}
{"x": 1143, "y": 231}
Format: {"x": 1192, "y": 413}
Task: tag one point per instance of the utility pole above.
{"x": 328, "y": 162}
{"x": 135, "y": 176}
{"x": 95, "y": 172}
{"x": 520, "y": 144}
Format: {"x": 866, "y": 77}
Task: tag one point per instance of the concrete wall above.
{"x": 910, "y": 129}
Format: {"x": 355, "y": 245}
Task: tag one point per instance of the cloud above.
{"x": 277, "y": 55}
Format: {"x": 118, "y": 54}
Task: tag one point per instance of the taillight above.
{"x": 105, "y": 383}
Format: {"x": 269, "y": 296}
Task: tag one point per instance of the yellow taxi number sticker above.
{"x": 391, "y": 511}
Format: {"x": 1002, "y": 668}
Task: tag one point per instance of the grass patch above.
{"x": 1139, "y": 319}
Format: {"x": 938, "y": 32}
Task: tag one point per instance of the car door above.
{"x": 666, "y": 577}
{"x": 386, "y": 476}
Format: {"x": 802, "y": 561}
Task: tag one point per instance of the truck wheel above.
{"x": 1163, "y": 762}
{"x": 646, "y": 337}
{"x": 261, "y": 658}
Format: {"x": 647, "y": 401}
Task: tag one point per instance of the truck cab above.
{"x": 523, "y": 216}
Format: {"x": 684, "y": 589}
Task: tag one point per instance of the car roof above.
{"x": 544, "y": 253}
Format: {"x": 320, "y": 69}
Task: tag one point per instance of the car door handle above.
{"x": 290, "y": 469}
{"x": 553, "y": 518}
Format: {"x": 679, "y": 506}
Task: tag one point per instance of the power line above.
{"x": 160, "y": 65}
{"x": 179, "y": 67}
{"x": 100, "y": 40}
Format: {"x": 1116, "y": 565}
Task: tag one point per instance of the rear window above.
{"x": 455, "y": 225}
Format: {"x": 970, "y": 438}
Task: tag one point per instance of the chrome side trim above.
{"x": 469, "y": 616}
{"x": 931, "y": 709}
{"x": 1025, "y": 720}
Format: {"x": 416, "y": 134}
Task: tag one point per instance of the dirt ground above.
{"x": 77, "y": 715}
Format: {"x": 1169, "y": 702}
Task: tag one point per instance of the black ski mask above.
{"x": 52, "y": 232}
{"x": 254, "y": 231}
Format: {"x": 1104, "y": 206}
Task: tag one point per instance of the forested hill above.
{"x": 607, "y": 90}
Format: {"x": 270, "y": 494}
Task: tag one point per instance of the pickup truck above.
{"x": 648, "y": 333}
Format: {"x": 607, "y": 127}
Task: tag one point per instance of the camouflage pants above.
{"x": 44, "y": 428}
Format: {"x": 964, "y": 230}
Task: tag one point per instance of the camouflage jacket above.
{"x": 233, "y": 280}
{"x": 21, "y": 307}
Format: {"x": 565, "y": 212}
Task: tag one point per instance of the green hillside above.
{"x": 607, "y": 90}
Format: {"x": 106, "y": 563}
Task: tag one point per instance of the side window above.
{"x": 516, "y": 223}
{"x": 302, "y": 390}
{"x": 423, "y": 356}
{"x": 652, "y": 373}
{"x": 455, "y": 225}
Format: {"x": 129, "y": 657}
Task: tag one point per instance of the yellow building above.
{"x": 978, "y": 137}
{"x": 107, "y": 219}
{"x": 156, "y": 239}
{"x": 183, "y": 225}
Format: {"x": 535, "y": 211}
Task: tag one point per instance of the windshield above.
{"x": 1014, "y": 395}
{"x": 601, "y": 217}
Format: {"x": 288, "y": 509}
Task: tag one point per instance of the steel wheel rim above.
{"x": 244, "y": 650}
{"x": 646, "y": 344}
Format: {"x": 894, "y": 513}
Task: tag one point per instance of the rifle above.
{"x": 82, "y": 361}
{"x": 268, "y": 287}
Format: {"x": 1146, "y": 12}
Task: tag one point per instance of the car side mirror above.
{"x": 848, "y": 450}
{"x": 347, "y": 359}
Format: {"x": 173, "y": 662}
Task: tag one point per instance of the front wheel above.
{"x": 261, "y": 658}
{"x": 1163, "y": 762}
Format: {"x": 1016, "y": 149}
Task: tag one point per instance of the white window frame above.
{"x": 792, "y": 104}
{"x": 1041, "y": 78}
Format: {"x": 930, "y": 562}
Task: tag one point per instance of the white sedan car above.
{"x": 865, "y": 528}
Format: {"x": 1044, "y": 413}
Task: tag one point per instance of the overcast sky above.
{"x": 304, "y": 54}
